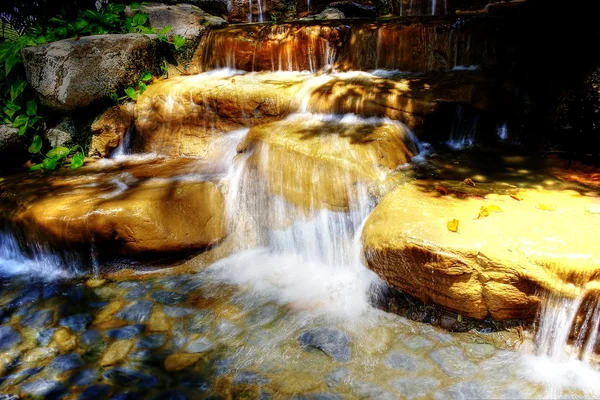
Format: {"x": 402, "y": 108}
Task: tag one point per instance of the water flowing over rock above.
{"x": 109, "y": 130}
{"x": 281, "y": 47}
{"x": 320, "y": 161}
{"x": 135, "y": 210}
{"x": 71, "y": 74}
{"x": 496, "y": 264}
{"x": 182, "y": 116}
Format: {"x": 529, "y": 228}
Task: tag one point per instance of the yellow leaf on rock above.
{"x": 453, "y": 225}
{"x": 546, "y": 207}
{"x": 469, "y": 182}
{"x": 485, "y": 211}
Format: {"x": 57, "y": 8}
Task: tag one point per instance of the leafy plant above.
{"x": 133, "y": 93}
{"x": 55, "y": 157}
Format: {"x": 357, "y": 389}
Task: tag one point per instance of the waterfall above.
{"x": 304, "y": 257}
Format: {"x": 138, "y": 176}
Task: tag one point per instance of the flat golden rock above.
{"x": 177, "y": 362}
{"x": 116, "y": 352}
{"x": 64, "y": 339}
{"x": 158, "y": 322}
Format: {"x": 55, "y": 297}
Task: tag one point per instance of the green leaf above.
{"x": 165, "y": 30}
{"x": 100, "y": 30}
{"x": 20, "y": 121}
{"x": 115, "y": 8}
{"x": 12, "y": 106}
{"x": 140, "y": 19}
{"x": 5, "y": 51}
{"x": 80, "y": 23}
{"x": 114, "y": 96}
{"x": 56, "y": 20}
{"x": 58, "y": 152}
{"x": 178, "y": 41}
{"x": 109, "y": 18}
{"x": 36, "y": 144}
{"x": 35, "y": 120}
{"x": 146, "y": 76}
{"x": 16, "y": 89}
{"x": 22, "y": 130}
{"x": 135, "y": 6}
{"x": 36, "y": 167}
{"x": 131, "y": 93}
{"x": 77, "y": 161}
{"x": 31, "y": 108}
{"x": 49, "y": 163}
{"x": 10, "y": 62}
{"x": 41, "y": 40}
{"x": 142, "y": 87}
{"x": 61, "y": 32}
{"x": 91, "y": 14}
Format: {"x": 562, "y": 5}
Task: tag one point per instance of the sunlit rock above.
{"x": 184, "y": 115}
{"x": 321, "y": 161}
{"x": 177, "y": 362}
{"x": 71, "y": 74}
{"x": 128, "y": 211}
{"x": 116, "y": 352}
{"x": 507, "y": 249}
{"x": 109, "y": 130}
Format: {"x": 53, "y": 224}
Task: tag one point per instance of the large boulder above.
{"x": 321, "y": 162}
{"x": 74, "y": 73}
{"x": 183, "y": 115}
{"x": 127, "y": 209}
{"x": 186, "y": 20}
{"x": 507, "y": 250}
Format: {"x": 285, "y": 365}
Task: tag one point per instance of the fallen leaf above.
{"x": 485, "y": 211}
{"x": 469, "y": 182}
{"x": 442, "y": 190}
{"x": 593, "y": 210}
{"x": 453, "y": 225}
{"x": 516, "y": 197}
{"x": 546, "y": 207}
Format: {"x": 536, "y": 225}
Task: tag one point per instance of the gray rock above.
{"x": 366, "y": 390}
{"x": 95, "y": 392}
{"x": 38, "y": 319}
{"x": 44, "y": 388}
{"x": 331, "y": 341}
{"x": 90, "y": 337}
{"x": 58, "y": 137}
{"x": 264, "y": 315}
{"x": 226, "y": 329}
{"x": 417, "y": 342}
{"x": 178, "y": 312}
{"x": 67, "y": 362}
{"x": 467, "y": 390}
{"x": 173, "y": 282}
{"x": 330, "y": 13}
{"x": 71, "y": 74}
{"x": 452, "y": 361}
{"x": 85, "y": 377}
{"x": 168, "y": 298}
{"x": 28, "y": 296}
{"x": 126, "y": 332}
{"x": 200, "y": 322}
{"x": 20, "y": 376}
{"x": 77, "y": 323}
{"x": 337, "y": 377}
{"x": 415, "y": 387}
{"x": 138, "y": 311}
{"x": 9, "y": 337}
{"x": 399, "y": 360}
{"x": 44, "y": 337}
{"x": 479, "y": 350}
{"x": 247, "y": 377}
{"x": 200, "y": 345}
{"x": 151, "y": 341}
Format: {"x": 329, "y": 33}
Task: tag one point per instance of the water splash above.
{"x": 40, "y": 263}
{"x": 307, "y": 259}
{"x": 502, "y": 131}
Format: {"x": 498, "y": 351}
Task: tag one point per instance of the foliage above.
{"x": 133, "y": 93}
{"x": 17, "y": 101}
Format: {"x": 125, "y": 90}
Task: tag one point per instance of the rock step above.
{"x": 129, "y": 208}
{"x": 507, "y": 248}
{"x": 182, "y": 116}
